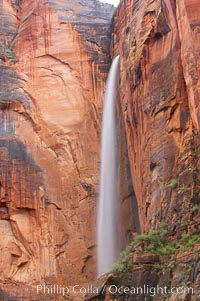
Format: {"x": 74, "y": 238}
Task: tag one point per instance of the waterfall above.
{"x": 108, "y": 217}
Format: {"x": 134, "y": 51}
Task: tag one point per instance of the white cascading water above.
{"x": 107, "y": 234}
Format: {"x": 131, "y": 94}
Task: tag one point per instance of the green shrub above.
{"x": 124, "y": 264}
{"x": 157, "y": 242}
{"x": 162, "y": 93}
{"x": 153, "y": 241}
{"x": 195, "y": 208}
{"x": 173, "y": 183}
{"x": 11, "y": 56}
{"x": 8, "y": 52}
{"x": 118, "y": 267}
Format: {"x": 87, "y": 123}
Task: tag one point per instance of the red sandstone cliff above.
{"x": 54, "y": 62}
{"x": 159, "y": 98}
{"x": 158, "y": 43}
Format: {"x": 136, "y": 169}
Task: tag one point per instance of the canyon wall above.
{"x": 54, "y": 61}
{"x": 160, "y": 103}
{"x": 158, "y": 42}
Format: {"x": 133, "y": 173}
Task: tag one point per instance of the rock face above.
{"x": 158, "y": 43}
{"x": 146, "y": 282}
{"x": 54, "y": 57}
{"x": 159, "y": 100}
{"x": 54, "y": 62}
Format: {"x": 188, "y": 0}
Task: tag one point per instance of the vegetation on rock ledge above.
{"x": 8, "y": 53}
{"x": 156, "y": 242}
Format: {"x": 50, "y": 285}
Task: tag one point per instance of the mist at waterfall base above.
{"x": 108, "y": 213}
